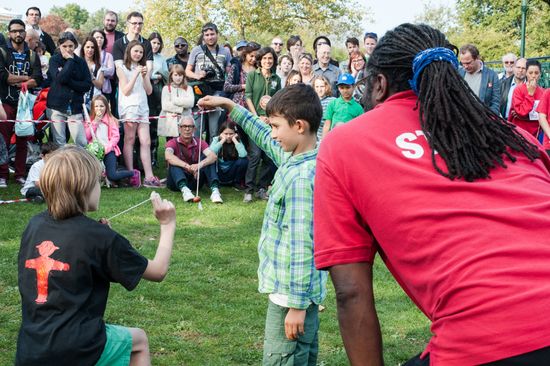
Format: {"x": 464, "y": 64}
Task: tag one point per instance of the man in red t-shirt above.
{"x": 454, "y": 199}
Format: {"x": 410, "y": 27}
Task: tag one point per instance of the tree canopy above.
{"x": 72, "y": 13}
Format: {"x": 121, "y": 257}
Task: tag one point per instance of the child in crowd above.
{"x": 66, "y": 264}
{"x": 31, "y": 188}
{"x": 294, "y": 77}
{"x": 232, "y": 161}
{"x": 286, "y": 271}
{"x": 344, "y": 108}
{"x": 322, "y": 87}
{"x": 44, "y": 60}
{"x": 134, "y": 86}
{"x": 105, "y": 129}
{"x": 177, "y": 99}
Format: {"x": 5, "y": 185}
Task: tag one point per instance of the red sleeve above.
{"x": 204, "y": 145}
{"x": 522, "y": 102}
{"x": 340, "y": 234}
{"x": 171, "y": 144}
{"x": 544, "y": 103}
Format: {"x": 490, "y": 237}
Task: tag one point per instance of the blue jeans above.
{"x": 110, "y": 168}
{"x": 179, "y": 178}
{"x": 235, "y": 173}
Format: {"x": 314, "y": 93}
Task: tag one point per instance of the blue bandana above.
{"x": 426, "y": 57}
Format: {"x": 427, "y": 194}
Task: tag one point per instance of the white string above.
{"x": 129, "y": 209}
{"x": 199, "y": 160}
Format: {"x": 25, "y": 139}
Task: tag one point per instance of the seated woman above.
{"x": 232, "y": 161}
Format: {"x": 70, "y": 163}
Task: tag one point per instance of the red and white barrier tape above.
{"x": 2, "y": 202}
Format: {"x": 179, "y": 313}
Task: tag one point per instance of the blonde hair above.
{"x": 328, "y": 91}
{"x": 177, "y": 69}
{"x": 68, "y": 179}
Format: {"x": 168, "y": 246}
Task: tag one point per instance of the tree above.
{"x": 94, "y": 21}
{"x": 72, "y": 13}
{"x": 53, "y": 25}
{"x": 439, "y": 16}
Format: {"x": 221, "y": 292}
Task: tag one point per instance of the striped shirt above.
{"x": 285, "y": 248}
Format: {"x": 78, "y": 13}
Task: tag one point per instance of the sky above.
{"x": 387, "y": 13}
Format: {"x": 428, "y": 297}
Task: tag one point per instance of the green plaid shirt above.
{"x": 286, "y": 242}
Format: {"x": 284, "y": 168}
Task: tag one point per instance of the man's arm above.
{"x": 173, "y": 160}
{"x": 495, "y": 97}
{"x": 357, "y": 317}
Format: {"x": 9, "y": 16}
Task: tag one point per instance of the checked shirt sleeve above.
{"x": 299, "y": 203}
{"x": 258, "y": 131}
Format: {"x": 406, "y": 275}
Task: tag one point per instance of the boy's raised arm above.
{"x": 165, "y": 213}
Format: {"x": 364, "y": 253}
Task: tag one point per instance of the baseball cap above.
{"x": 208, "y": 26}
{"x": 241, "y": 44}
{"x": 345, "y": 79}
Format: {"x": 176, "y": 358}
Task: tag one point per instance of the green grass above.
{"x": 208, "y": 310}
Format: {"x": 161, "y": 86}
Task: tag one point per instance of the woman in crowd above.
{"x": 107, "y": 63}
{"x": 305, "y": 66}
{"x": 260, "y": 86}
{"x": 70, "y": 79}
{"x": 177, "y": 100}
{"x": 357, "y": 67}
{"x": 285, "y": 64}
{"x": 525, "y": 100}
{"x": 322, "y": 87}
{"x": 235, "y": 83}
{"x": 294, "y": 77}
{"x": 232, "y": 161}
{"x": 295, "y": 48}
{"x": 91, "y": 54}
{"x": 159, "y": 77}
{"x": 134, "y": 86}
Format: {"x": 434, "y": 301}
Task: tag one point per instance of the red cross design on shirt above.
{"x": 43, "y": 265}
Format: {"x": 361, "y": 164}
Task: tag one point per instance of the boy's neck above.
{"x": 308, "y": 143}
{"x": 347, "y": 99}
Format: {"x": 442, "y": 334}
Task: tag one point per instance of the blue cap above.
{"x": 345, "y": 79}
{"x": 241, "y": 44}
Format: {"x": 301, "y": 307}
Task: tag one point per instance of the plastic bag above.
{"x": 24, "y": 113}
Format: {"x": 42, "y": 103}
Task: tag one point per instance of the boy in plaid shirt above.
{"x": 286, "y": 271}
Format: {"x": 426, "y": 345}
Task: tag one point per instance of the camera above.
{"x": 210, "y": 72}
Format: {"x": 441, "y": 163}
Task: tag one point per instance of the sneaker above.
{"x": 135, "y": 180}
{"x": 152, "y": 182}
{"x": 3, "y": 183}
{"x": 216, "y": 197}
{"x": 187, "y": 195}
{"x": 262, "y": 194}
{"x": 20, "y": 180}
{"x": 38, "y": 199}
{"x": 247, "y": 197}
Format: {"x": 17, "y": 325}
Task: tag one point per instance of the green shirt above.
{"x": 285, "y": 249}
{"x": 339, "y": 111}
{"x": 257, "y": 86}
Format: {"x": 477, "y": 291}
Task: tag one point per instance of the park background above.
{"x": 208, "y": 312}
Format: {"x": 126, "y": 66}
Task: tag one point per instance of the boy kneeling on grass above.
{"x": 66, "y": 264}
{"x": 286, "y": 271}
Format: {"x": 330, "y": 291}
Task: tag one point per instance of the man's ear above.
{"x": 381, "y": 88}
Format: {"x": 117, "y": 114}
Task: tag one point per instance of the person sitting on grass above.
{"x": 182, "y": 158}
{"x": 105, "y": 129}
{"x": 66, "y": 264}
{"x": 31, "y": 188}
{"x": 344, "y": 108}
{"x": 231, "y": 152}
{"x": 286, "y": 271}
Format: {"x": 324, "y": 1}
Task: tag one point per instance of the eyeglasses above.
{"x": 180, "y": 45}
{"x": 135, "y": 23}
{"x": 187, "y": 127}
{"x": 20, "y": 31}
{"x": 509, "y": 62}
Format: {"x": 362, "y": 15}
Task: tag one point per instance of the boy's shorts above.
{"x": 118, "y": 347}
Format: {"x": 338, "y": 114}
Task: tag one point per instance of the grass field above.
{"x": 208, "y": 310}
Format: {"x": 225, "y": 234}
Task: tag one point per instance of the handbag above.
{"x": 24, "y": 113}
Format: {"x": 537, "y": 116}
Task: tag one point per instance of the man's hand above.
{"x": 164, "y": 210}
{"x": 294, "y": 323}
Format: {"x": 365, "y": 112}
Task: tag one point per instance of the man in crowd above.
{"x": 209, "y": 63}
{"x": 370, "y": 40}
{"x": 110, "y": 22}
{"x": 181, "y": 46}
{"x": 352, "y": 44}
{"x": 33, "y": 19}
{"x": 323, "y": 67}
{"x": 466, "y": 234}
{"x": 277, "y": 45}
{"x": 508, "y": 61}
{"x": 19, "y": 70}
{"x": 32, "y": 38}
{"x": 508, "y": 85}
{"x": 482, "y": 80}
{"x": 134, "y": 21}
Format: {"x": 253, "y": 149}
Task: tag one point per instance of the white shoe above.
{"x": 3, "y": 183}
{"x": 247, "y": 198}
{"x": 216, "y": 197}
{"x": 187, "y": 195}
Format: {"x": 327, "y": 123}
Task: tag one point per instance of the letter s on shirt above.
{"x": 409, "y": 149}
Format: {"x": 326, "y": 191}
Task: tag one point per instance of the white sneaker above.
{"x": 3, "y": 183}
{"x": 187, "y": 194}
{"x": 247, "y": 198}
{"x": 216, "y": 197}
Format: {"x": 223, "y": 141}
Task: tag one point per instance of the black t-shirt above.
{"x": 65, "y": 269}
{"x": 120, "y": 47}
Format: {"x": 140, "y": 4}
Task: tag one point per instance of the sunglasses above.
{"x": 509, "y": 62}
{"x": 277, "y": 44}
{"x": 180, "y": 45}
